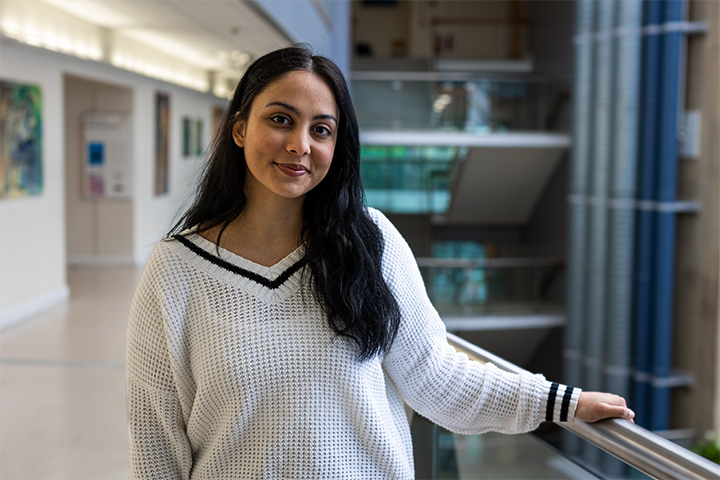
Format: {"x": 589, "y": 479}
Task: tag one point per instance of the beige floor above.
{"x": 62, "y": 384}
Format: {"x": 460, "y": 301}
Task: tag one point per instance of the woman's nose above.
{"x": 299, "y": 143}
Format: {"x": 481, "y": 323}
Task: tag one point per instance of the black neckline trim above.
{"x": 271, "y": 284}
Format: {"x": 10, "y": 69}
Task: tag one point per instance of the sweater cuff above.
{"x": 560, "y": 402}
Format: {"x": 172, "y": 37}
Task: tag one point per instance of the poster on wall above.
{"x": 21, "y": 169}
{"x": 162, "y": 133}
{"x": 106, "y": 141}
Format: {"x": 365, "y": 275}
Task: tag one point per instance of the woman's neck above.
{"x": 263, "y": 233}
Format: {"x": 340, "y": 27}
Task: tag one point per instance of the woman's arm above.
{"x": 445, "y": 386}
{"x": 158, "y": 445}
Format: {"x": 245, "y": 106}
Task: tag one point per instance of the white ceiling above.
{"x": 217, "y": 35}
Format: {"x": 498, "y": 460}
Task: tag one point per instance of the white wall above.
{"x": 32, "y": 229}
{"x": 154, "y": 215}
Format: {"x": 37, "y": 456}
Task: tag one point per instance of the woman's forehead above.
{"x": 299, "y": 87}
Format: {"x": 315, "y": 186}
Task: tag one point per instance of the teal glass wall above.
{"x": 458, "y": 286}
{"x": 408, "y": 180}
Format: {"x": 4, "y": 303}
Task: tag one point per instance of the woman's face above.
{"x": 289, "y": 137}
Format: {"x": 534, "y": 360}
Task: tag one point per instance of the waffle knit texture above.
{"x": 234, "y": 373}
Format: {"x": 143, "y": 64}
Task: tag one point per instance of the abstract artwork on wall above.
{"x": 162, "y": 132}
{"x": 21, "y": 169}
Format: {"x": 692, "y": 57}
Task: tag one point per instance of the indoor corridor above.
{"x": 62, "y": 384}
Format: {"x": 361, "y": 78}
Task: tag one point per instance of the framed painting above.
{"x": 162, "y": 141}
{"x": 21, "y": 168}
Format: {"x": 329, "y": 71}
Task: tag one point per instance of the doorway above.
{"x": 99, "y": 226}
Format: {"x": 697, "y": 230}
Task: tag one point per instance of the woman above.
{"x": 279, "y": 328}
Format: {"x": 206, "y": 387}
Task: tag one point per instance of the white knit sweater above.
{"x": 234, "y": 373}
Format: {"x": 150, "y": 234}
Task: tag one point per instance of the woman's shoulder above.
{"x": 167, "y": 249}
{"x": 379, "y": 218}
{"x": 392, "y": 238}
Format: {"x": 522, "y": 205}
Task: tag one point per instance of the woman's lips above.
{"x": 292, "y": 170}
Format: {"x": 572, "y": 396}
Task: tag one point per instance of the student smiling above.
{"x": 281, "y": 326}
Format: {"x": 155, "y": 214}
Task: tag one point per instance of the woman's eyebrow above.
{"x": 287, "y": 106}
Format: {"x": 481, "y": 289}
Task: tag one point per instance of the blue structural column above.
{"x": 665, "y": 196}
{"x": 645, "y": 244}
{"x": 655, "y": 267}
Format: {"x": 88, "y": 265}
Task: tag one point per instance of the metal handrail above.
{"x": 643, "y": 450}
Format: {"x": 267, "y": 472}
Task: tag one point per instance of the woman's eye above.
{"x": 322, "y": 130}
{"x": 280, "y": 120}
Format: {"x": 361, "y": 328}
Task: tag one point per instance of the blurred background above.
{"x": 554, "y": 165}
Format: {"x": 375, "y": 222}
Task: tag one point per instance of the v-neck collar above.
{"x": 273, "y": 283}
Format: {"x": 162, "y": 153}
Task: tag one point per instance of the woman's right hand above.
{"x": 595, "y": 406}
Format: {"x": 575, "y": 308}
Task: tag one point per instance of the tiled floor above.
{"x": 62, "y": 384}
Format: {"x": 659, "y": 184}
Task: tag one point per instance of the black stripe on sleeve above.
{"x": 551, "y": 402}
{"x": 566, "y": 404}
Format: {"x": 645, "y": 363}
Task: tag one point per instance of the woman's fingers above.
{"x": 594, "y": 406}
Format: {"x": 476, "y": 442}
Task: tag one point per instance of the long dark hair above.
{"x": 343, "y": 246}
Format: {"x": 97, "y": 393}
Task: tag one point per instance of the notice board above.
{"x": 107, "y": 169}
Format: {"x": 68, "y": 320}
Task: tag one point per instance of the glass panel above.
{"x": 402, "y": 179}
{"x": 528, "y": 456}
{"x": 453, "y": 289}
{"x": 498, "y": 456}
{"x": 473, "y": 290}
{"x": 478, "y": 106}
{"x": 586, "y": 454}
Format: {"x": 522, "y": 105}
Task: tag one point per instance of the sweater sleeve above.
{"x": 444, "y": 385}
{"x": 158, "y": 445}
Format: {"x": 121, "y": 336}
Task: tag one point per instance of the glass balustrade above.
{"x": 406, "y": 101}
{"x": 497, "y": 456}
{"x": 503, "y": 286}
{"x": 528, "y": 456}
{"x": 412, "y": 180}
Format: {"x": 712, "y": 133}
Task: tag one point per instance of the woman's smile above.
{"x": 291, "y": 169}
